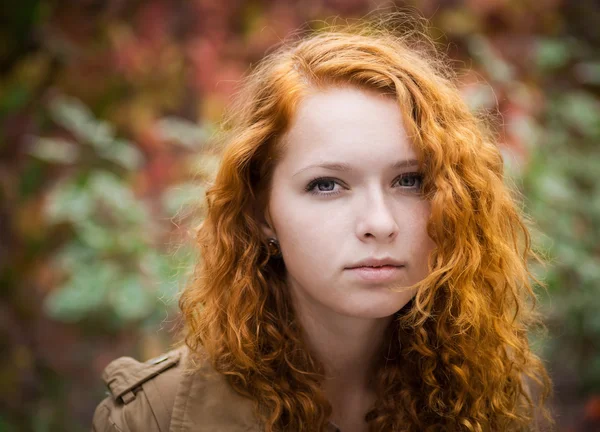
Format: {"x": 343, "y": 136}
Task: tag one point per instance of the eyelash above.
{"x": 314, "y": 182}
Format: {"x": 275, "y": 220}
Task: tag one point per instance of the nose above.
{"x": 377, "y": 220}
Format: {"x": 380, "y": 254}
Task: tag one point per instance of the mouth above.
{"x": 374, "y": 266}
{"x": 384, "y": 273}
{"x": 377, "y": 262}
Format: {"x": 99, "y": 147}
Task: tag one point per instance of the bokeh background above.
{"x": 106, "y": 112}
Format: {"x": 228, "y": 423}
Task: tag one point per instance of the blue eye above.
{"x": 326, "y": 185}
{"x": 322, "y": 184}
{"x": 417, "y": 176}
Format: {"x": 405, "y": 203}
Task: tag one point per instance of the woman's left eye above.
{"x": 411, "y": 184}
{"x": 326, "y": 185}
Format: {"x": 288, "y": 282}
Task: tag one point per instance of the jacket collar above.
{"x": 205, "y": 402}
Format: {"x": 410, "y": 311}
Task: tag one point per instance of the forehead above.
{"x": 344, "y": 123}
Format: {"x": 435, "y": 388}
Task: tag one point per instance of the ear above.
{"x": 266, "y": 224}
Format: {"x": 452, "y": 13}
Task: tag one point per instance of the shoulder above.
{"x": 140, "y": 395}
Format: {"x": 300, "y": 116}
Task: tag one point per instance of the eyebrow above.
{"x": 341, "y": 166}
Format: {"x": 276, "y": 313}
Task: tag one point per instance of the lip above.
{"x": 386, "y": 273}
{"x": 377, "y": 262}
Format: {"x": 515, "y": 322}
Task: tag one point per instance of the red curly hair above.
{"x": 457, "y": 357}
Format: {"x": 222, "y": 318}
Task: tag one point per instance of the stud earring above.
{"x": 274, "y": 249}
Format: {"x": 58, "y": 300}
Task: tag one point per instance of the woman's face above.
{"x": 338, "y": 196}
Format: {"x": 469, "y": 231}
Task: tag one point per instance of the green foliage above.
{"x": 552, "y": 53}
{"x": 182, "y": 132}
{"x": 112, "y": 272}
{"x": 77, "y": 118}
{"x": 497, "y": 68}
{"x": 563, "y": 196}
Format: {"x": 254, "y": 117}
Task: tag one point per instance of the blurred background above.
{"x": 106, "y": 111}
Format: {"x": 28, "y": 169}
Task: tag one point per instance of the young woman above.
{"x": 363, "y": 267}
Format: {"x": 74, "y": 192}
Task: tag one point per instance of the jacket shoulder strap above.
{"x": 157, "y": 378}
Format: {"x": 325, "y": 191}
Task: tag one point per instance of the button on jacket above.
{"x": 165, "y": 395}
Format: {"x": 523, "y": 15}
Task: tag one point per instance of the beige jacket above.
{"x": 160, "y": 395}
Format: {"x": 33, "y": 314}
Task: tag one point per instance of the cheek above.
{"x": 296, "y": 219}
{"x": 307, "y": 236}
{"x": 423, "y": 244}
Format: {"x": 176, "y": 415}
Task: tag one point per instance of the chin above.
{"x": 379, "y": 307}
{"x": 372, "y": 311}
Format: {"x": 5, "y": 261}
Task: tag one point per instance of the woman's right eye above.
{"x": 322, "y": 186}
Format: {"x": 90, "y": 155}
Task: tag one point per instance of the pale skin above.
{"x": 370, "y": 209}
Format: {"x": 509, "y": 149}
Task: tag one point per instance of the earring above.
{"x": 274, "y": 249}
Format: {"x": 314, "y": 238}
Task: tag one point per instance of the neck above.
{"x": 348, "y": 347}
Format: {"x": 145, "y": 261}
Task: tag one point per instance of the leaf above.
{"x": 74, "y": 116}
{"x": 55, "y": 150}
{"x": 179, "y": 198}
{"x": 123, "y": 153}
{"x": 552, "y": 54}
{"x": 170, "y": 270}
{"x": 130, "y": 300}
{"x": 553, "y": 187}
{"x": 94, "y": 236}
{"x": 479, "y": 96}
{"x": 495, "y": 66}
{"x": 74, "y": 255}
{"x": 84, "y": 293}
{"x": 69, "y": 202}
{"x": 581, "y": 109}
{"x": 589, "y": 271}
{"x": 588, "y": 72}
{"x": 568, "y": 254}
{"x": 111, "y": 192}
{"x": 182, "y": 132}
